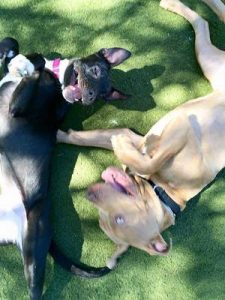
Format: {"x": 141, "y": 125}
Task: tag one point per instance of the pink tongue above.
{"x": 76, "y": 92}
{"x": 160, "y": 247}
{"x": 118, "y": 179}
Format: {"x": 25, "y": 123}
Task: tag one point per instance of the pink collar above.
{"x": 55, "y": 67}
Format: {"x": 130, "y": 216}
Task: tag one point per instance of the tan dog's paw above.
{"x": 222, "y": 17}
{"x": 121, "y": 140}
{"x": 168, "y": 4}
{"x": 121, "y": 144}
{"x": 111, "y": 263}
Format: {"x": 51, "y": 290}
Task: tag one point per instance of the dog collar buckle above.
{"x": 155, "y": 187}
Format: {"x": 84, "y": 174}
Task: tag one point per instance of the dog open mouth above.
{"x": 75, "y": 88}
{"x": 119, "y": 180}
{"x": 72, "y": 92}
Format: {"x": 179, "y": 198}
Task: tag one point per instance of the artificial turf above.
{"x": 161, "y": 74}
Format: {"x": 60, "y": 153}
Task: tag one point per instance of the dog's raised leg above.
{"x": 210, "y": 58}
{"x": 35, "y": 249}
{"x": 218, "y": 7}
{"x": 172, "y": 140}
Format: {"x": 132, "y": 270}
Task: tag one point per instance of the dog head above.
{"x": 88, "y": 78}
{"x": 129, "y": 211}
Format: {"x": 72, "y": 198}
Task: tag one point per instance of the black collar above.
{"x": 165, "y": 198}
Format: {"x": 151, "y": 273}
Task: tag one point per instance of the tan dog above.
{"x": 133, "y": 210}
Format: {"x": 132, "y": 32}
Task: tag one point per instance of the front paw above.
{"x": 168, "y": 4}
{"x": 111, "y": 263}
{"x": 121, "y": 144}
{"x": 61, "y": 136}
{"x": 21, "y": 66}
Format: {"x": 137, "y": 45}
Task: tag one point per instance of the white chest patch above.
{"x": 62, "y": 68}
{"x": 13, "y": 222}
{"x": 13, "y": 219}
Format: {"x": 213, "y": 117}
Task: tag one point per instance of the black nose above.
{"x": 90, "y": 195}
{"x": 91, "y": 93}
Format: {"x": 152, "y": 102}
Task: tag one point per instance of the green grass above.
{"x": 161, "y": 74}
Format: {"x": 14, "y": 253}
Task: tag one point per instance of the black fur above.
{"x": 9, "y": 48}
{"x": 30, "y": 114}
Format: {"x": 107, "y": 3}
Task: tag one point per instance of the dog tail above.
{"x": 78, "y": 269}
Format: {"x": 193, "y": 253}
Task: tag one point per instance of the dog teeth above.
{"x": 120, "y": 220}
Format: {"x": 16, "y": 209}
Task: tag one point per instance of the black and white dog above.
{"x": 31, "y": 111}
{"x": 82, "y": 79}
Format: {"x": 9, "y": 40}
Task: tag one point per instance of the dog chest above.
{"x": 13, "y": 219}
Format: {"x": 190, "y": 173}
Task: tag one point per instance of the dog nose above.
{"x": 88, "y": 96}
{"x": 91, "y": 195}
{"x": 91, "y": 93}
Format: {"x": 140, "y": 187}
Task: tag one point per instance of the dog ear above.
{"x": 22, "y": 96}
{"x": 115, "y": 56}
{"x": 159, "y": 245}
{"x": 115, "y": 94}
{"x": 37, "y": 60}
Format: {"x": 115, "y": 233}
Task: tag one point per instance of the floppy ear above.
{"x": 159, "y": 245}
{"x": 114, "y": 56}
{"x": 115, "y": 94}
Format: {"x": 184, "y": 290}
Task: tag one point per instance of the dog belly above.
{"x": 13, "y": 221}
{"x": 213, "y": 139}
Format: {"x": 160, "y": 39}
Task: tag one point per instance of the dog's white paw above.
{"x": 20, "y": 66}
{"x": 111, "y": 263}
{"x": 222, "y": 17}
{"x": 168, "y": 4}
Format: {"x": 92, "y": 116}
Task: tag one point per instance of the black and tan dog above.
{"x": 137, "y": 205}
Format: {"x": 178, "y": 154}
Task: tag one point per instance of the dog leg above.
{"x": 210, "y": 58}
{"x": 111, "y": 263}
{"x": 218, "y": 7}
{"x": 100, "y": 138}
{"x": 171, "y": 141}
{"x": 35, "y": 249}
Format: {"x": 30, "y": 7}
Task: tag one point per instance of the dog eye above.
{"x": 119, "y": 220}
{"x": 95, "y": 71}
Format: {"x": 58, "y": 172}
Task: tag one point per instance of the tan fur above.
{"x": 182, "y": 152}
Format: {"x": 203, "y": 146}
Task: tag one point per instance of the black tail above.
{"x": 78, "y": 269}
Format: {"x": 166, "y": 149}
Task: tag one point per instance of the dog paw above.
{"x": 168, "y": 4}
{"x": 120, "y": 141}
{"x": 121, "y": 144}
{"x": 62, "y": 136}
{"x": 20, "y": 66}
{"x": 111, "y": 263}
{"x": 222, "y": 17}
